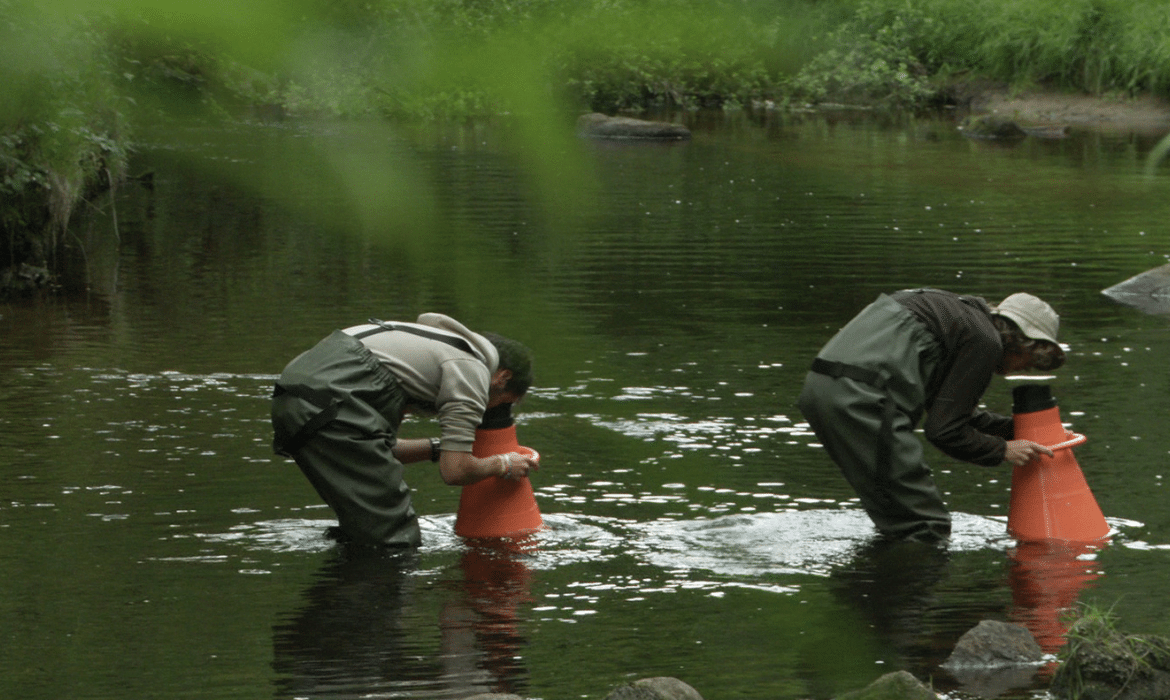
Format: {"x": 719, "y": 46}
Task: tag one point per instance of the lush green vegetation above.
{"x": 74, "y": 74}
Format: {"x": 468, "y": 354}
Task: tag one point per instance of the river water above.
{"x": 152, "y": 546}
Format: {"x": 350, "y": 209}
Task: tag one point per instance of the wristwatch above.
{"x": 434, "y": 449}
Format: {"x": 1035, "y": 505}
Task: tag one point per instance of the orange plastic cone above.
{"x": 495, "y": 506}
{"x": 1050, "y": 499}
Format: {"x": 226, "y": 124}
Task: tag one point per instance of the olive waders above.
{"x": 863, "y": 398}
{"x": 336, "y": 411}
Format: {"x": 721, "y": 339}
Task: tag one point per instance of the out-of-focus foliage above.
{"x": 74, "y": 74}
{"x": 62, "y": 131}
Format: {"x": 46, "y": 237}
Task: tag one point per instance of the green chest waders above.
{"x": 336, "y": 411}
{"x": 863, "y": 397}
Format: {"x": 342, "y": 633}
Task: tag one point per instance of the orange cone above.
{"x": 495, "y": 506}
{"x": 1050, "y": 499}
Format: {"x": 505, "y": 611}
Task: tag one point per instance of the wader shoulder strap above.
{"x": 383, "y": 326}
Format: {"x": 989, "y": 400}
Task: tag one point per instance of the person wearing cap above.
{"x": 337, "y": 407}
{"x": 916, "y": 353}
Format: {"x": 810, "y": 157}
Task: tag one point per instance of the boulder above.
{"x": 660, "y": 688}
{"x": 1100, "y": 663}
{"x": 1148, "y": 291}
{"x": 992, "y": 126}
{"x": 994, "y": 657}
{"x": 23, "y": 279}
{"x": 602, "y": 126}
{"x": 995, "y": 643}
{"x": 899, "y": 685}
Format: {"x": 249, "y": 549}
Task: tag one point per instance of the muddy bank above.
{"x": 1144, "y": 114}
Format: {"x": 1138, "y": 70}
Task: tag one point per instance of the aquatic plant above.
{"x": 1098, "y": 660}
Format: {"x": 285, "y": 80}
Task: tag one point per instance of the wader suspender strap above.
{"x": 383, "y": 326}
{"x": 323, "y": 400}
{"x": 329, "y": 405}
{"x": 877, "y": 380}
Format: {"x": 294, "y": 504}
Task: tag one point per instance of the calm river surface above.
{"x": 151, "y": 546}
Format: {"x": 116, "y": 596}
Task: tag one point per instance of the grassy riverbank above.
{"x": 75, "y": 77}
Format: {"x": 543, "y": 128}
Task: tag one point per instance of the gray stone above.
{"x": 995, "y": 643}
{"x": 899, "y": 685}
{"x": 660, "y": 688}
{"x": 1148, "y": 291}
{"x": 992, "y": 126}
{"x": 602, "y": 126}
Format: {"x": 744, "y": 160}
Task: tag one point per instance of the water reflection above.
{"x": 356, "y": 634}
{"x": 892, "y": 584}
{"x": 481, "y": 625}
{"x": 1047, "y": 578}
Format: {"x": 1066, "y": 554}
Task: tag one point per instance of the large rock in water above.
{"x": 995, "y": 643}
{"x": 994, "y": 657}
{"x": 1148, "y": 292}
{"x": 601, "y": 126}
{"x": 899, "y": 685}
{"x": 992, "y": 126}
{"x": 660, "y": 688}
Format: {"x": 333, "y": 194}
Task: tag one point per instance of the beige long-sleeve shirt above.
{"x": 438, "y": 377}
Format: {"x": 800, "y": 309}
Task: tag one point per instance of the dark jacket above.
{"x": 970, "y": 352}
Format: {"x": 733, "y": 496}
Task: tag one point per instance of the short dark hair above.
{"x": 516, "y": 358}
{"x": 1046, "y": 356}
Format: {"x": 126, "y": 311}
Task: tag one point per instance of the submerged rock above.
{"x": 23, "y": 279}
{"x": 602, "y": 126}
{"x": 899, "y": 685}
{"x": 995, "y": 643}
{"x": 660, "y": 688}
{"x": 994, "y": 657}
{"x": 992, "y": 126}
{"x": 1148, "y": 292}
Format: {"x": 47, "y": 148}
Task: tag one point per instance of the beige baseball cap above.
{"x": 1033, "y": 315}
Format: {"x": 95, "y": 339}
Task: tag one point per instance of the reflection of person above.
{"x": 365, "y": 626}
{"x": 349, "y": 636}
{"x": 893, "y": 585}
{"x": 337, "y": 408}
{"x": 914, "y": 352}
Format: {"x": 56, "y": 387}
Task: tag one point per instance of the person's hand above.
{"x": 517, "y": 465}
{"x": 1020, "y": 452}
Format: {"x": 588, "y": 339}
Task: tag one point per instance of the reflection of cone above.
{"x": 497, "y": 507}
{"x": 1050, "y": 498}
{"x": 1047, "y": 578}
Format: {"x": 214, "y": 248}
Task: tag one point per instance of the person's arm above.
{"x": 413, "y": 450}
{"x": 949, "y": 419}
{"x": 462, "y": 469}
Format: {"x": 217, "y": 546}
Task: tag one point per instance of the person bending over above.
{"x": 337, "y": 407}
{"x": 914, "y": 353}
